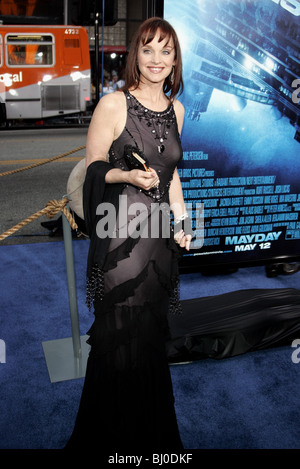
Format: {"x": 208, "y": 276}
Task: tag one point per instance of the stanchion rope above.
{"x": 50, "y": 210}
{"x": 42, "y": 162}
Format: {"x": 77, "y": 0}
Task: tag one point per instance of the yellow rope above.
{"x": 51, "y": 209}
{"x": 42, "y": 162}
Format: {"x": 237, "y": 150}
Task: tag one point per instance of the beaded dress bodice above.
{"x": 155, "y": 134}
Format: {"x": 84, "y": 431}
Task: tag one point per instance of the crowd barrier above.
{"x": 66, "y": 358}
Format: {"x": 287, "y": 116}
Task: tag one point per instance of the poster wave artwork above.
{"x": 241, "y": 140}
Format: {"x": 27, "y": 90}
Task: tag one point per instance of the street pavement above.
{"x": 24, "y": 193}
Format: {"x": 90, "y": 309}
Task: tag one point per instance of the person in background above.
{"x": 121, "y": 82}
{"x": 107, "y": 88}
{"x": 114, "y": 80}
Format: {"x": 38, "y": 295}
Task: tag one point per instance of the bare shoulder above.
{"x": 110, "y": 114}
{"x": 179, "y": 111}
{"x": 111, "y": 103}
{"x": 178, "y": 107}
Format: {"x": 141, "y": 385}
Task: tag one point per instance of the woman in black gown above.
{"x": 127, "y": 400}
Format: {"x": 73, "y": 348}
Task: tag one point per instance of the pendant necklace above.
{"x": 159, "y": 121}
{"x": 160, "y": 133}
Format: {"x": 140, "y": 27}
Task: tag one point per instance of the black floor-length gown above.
{"x": 127, "y": 400}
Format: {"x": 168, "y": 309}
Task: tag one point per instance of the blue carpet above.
{"x": 244, "y": 402}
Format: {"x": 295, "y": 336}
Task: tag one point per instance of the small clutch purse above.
{"x": 135, "y": 158}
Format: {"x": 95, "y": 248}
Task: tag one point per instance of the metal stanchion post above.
{"x": 71, "y": 287}
{"x": 67, "y": 358}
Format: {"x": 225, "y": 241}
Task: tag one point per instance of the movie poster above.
{"x": 241, "y": 139}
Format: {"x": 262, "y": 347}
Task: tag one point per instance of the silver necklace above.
{"x": 153, "y": 118}
{"x": 160, "y": 133}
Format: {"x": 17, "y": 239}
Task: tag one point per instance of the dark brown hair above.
{"x": 144, "y": 35}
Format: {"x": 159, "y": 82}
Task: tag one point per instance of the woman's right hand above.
{"x": 143, "y": 179}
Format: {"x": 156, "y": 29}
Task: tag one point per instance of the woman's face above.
{"x": 155, "y": 60}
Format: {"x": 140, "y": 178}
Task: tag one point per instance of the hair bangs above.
{"x": 149, "y": 34}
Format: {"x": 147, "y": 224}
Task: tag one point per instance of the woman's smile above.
{"x": 156, "y": 69}
{"x": 156, "y": 59}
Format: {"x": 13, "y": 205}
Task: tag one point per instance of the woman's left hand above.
{"x": 183, "y": 240}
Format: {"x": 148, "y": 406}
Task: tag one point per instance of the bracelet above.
{"x": 185, "y": 225}
{"x": 180, "y": 218}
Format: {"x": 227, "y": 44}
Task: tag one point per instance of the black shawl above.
{"x": 95, "y": 192}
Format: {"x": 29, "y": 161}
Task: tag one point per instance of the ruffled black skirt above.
{"x": 127, "y": 400}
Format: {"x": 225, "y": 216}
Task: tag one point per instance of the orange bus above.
{"x": 45, "y": 71}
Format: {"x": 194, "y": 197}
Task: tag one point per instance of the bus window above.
{"x": 44, "y": 55}
{"x": 23, "y": 50}
{"x": 16, "y": 55}
{"x": 72, "y": 51}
